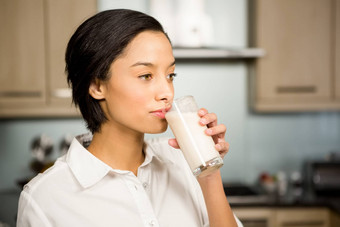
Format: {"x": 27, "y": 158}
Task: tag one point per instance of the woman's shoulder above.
{"x": 48, "y": 179}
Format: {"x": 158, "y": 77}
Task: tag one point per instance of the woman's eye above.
{"x": 172, "y": 76}
{"x": 146, "y": 77}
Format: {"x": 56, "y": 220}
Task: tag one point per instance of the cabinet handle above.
{"x": 20, "y": 94}
{"x": 304, "y": 223}
{"x": 62, "y": 93}
{"x": 296, "y": 89}
{"x": 255, "y": 222}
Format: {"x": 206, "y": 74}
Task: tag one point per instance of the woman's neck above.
{"x": 120, "y": 149}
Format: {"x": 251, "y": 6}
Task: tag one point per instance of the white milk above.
{"x": 197, "y": 147}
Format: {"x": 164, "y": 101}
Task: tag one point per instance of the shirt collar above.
{"x": 89, "y": 170}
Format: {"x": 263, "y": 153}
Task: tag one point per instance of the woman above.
{"x": 121, "y": 67}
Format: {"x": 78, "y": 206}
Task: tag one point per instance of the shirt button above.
{"x": 152, "y": 223}
{"x": 145, "y": 185}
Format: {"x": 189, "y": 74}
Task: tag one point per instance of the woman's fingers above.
{"x": 202, "y": 112}
{"x": 209, "y": 119}
{"x": 173, "y": 143}
{"x": 222, "y": 148}
{"x": 219, "y": 130}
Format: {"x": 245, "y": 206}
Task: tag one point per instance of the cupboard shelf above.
{"x": 182, "y": 53}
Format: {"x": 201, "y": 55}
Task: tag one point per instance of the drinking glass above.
{"x": 197, "y": 147}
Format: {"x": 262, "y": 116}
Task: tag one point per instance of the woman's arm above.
{"x": 219, "y": 211}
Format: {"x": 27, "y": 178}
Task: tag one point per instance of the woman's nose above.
{"x": 165, "y": 91}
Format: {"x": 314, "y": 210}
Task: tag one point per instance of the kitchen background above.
{"x": 258, "y": 142}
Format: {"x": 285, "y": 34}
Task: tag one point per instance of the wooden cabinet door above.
{"x": 22, "y": 53}
{"x": 297, "y": 36}
{"x": 302, "y": 217}
{"x": 337, "y": 50}
{"x": 63, "y": 17}
{"x": 255, "y": 216}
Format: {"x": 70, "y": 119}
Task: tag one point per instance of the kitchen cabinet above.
{"x": 22, "y": 55}
{"x": 255, "y": 217}
{"x": 290, "y": 216}
{"x": 299, "y": 71}
{"x": 33, "y": 37}
{"x": 303, "y": 217}
{"x": 337, "y": 50}
{"x": 73, "y": 13}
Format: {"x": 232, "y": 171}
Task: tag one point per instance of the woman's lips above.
{"x": 161, "y": 112}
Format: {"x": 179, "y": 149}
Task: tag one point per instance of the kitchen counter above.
{"x": 252, "y": 196}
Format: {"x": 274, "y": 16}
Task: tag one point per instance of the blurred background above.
{"x": 268, "y": 69}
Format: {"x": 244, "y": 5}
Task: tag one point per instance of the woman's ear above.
{"x": 96, "y": 89}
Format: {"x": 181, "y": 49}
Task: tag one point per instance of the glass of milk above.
{"x": 198, "y": 148}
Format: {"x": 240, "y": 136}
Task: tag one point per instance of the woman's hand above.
{"x": 217, "y": 131}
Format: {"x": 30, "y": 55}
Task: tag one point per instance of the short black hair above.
{"x": 92, "y": 49}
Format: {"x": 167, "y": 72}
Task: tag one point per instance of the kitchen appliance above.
{"x": 323, "y": 177}
{"x": 238, "y": 193}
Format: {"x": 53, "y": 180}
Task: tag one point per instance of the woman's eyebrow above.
{"x": 173, "y": 63}
{"x": 149, "y": 64}
{"x": 142, "y": 63}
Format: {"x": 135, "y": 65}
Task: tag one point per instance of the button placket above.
{"x": 143, "y": 179}
{"x": 136, "y": 184}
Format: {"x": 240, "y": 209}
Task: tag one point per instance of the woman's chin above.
{"x": 158, "y": 128}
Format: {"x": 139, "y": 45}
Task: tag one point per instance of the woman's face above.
{"x": 140, "y": 89}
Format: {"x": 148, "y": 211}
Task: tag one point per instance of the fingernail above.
{"x": 203, "y": 121}
{"x": 218, "y": 147}
{"x": 209, "y": 131}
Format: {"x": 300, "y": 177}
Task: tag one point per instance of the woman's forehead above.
{"x": 148, "y": 47}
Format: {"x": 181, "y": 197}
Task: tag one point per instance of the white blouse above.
{"x": 81, "y": 190}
